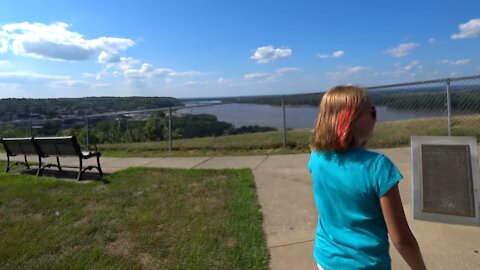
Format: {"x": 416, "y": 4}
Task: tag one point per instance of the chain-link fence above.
{"x": 439, "y": 107}
{"x": 435, "y": 108}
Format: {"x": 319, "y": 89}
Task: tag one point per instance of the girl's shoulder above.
{"x": 354, "y": 155}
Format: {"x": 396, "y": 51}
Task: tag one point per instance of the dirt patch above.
{"x": 82, "y": 222}
{"x": 93, "y": 206}
{"x": 220, "y": 177}
{"x": 17, "y": 203}
{"x": 148, "y": 261}
{"x": 231, "y": 242}
{"x": 123, "y": 245}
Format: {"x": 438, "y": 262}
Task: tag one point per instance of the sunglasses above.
{"x": 373, "y": 112}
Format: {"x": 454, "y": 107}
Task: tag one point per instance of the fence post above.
{"x": 284, "y": 123}
{"x": 170, "y": 129}
{"x": 449, "y": 109}
{"x": 86, "y": 133}
{"x": 31, "y": 128}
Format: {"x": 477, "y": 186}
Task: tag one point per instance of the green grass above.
{"x": 144, "y": 218}
{"x": 386, "y": 135}
{"x": 245, "y": 144}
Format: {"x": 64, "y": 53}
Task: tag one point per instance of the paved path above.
{"x": 285, "y": 195}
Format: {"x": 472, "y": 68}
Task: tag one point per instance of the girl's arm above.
{"x": 398, "y": 229}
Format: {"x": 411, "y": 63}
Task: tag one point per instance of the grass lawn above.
{"x": 142, "y": 218}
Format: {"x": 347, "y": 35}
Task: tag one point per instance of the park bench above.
{"x": 45, "y": 147}
{"x": 19, "y": 146}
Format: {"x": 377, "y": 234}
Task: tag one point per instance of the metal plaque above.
{"x": 445, "y": 179}
{"x": 447, "y": 184}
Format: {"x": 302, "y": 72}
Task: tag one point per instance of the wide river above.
{"x": 297, "y": 117}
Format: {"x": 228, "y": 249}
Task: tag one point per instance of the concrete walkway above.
{"x": 289, "y": 214}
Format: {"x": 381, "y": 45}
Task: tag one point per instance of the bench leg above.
{"x": 8, "y": 164}
{"x": 98, "y": 164}
{"x": 80, "y": 170}
{"x": 58, "y": 164}
{"x": 26, "y": 161}
{"x": 39, "y": 165}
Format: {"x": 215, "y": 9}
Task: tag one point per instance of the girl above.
{"x": 355, "y": 190}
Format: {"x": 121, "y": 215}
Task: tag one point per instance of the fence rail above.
{"x": 449, "y": 106}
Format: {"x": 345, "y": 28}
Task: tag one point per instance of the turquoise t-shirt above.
{"x": 347, "y": 186}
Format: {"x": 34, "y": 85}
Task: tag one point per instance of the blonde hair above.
{"x": 339, "y": 108}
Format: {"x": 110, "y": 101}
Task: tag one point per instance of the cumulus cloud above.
{"x": 127, "y": 67}
{"x": 56, "y": 42}
{"x": 402, "y": 49}
{"x": 106, "y": 58}
{"x": 335, "y": 54}
{"x": 456, "y": 62}
{"x": 470, "y": 29}
{"x": 267, "y": 54}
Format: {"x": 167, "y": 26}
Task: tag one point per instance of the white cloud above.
{"x": 470, "y": 29}
{"x": 264, "y": 76}
{"x": 3, "y": 43}
{"x": 257, "y": 76}
{"x": 323, "y": 56}
{"x": 126, "y": 66}
{"x": 267, "y": 54}
{"x": 287, "y": 70}
{"x": 3, "y": 62}
{"x": 335, "y": 54}
{"x": 347, "y": 72}
{"x": 412, "y": 65}
{"x": 106, "y": 58}
{"x": 338, "y": 54}
{"x": 431, "y": 40}
{"x": 55, "y": 42}
{"x": 456, "y": 62}
{"x": 402, "y": 49}
{"x": 413, "y": 68}
{"x": 23, "y": 76}
{"x": 186, "y": 73}
{"x": 69, "y": 84}
{"x": 89, "y": 75}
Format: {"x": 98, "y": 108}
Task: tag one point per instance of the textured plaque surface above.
{"x": 447, "y": 182}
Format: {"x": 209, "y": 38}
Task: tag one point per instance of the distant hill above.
{"x": 27, "y": 108}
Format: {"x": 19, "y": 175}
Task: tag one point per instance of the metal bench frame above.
{"x": 18, "y": 146}
{"x": 45, "y": 147}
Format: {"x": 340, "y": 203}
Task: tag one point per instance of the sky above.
{"x": 214, "y": 48}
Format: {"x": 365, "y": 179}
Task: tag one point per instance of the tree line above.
{"x": 25, "y": 108}
{"x": 154, "y": 128}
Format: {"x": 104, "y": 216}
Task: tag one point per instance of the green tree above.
{"x": 154, "y": 129}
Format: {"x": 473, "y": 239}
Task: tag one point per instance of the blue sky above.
{"x": 229, "y": 48}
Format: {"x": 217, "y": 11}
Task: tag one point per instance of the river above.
{"x": 297, "y": 117}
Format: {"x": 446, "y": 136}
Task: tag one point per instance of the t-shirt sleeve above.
{"x": 386, "y": 175}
